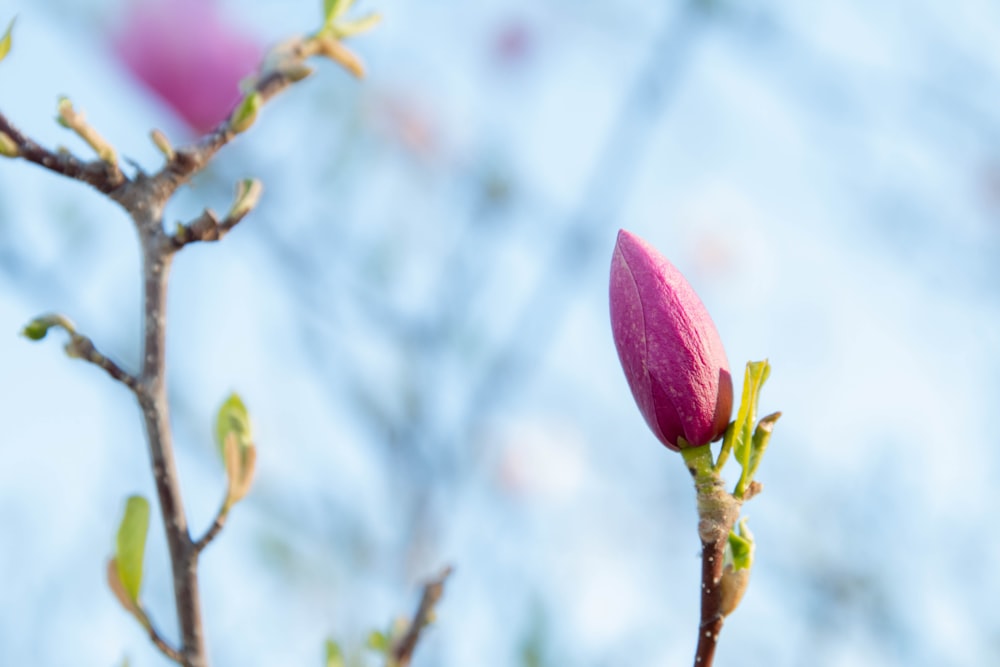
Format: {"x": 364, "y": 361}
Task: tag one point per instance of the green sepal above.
{"x": 233, "y": 418}
{"x": 334, "y": 656}
{"x": 131, "y": 544}
{"x": 6, "y": 41}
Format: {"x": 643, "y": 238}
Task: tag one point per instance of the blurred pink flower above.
{"x": 188, "y": 55}
{"x": 669, "y": 348}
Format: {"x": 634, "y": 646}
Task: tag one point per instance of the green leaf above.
{"x": 345, "y": 29}
{"x": 379, "y": 641}
{"x": 334, "y": 9}
{"x": 6, "y": 40}
{"x": 754, "y": 377}
{"x": 131, "y": 544}
{"x": 233, "y": 418}
{"x": 761, "y": 436}
{"x": 334, "y": 656}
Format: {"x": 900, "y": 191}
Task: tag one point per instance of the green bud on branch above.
{"x": 39, "y": 327}
{"x": 70, "y": 118}
{"x": 245, "y": 113}
{"x": 8, "y": 147}
{"x": 163, "y": 144}
{"x": 248, "y": 193}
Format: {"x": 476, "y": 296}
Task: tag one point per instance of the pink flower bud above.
{"x": 673, "y": 357}
{"x": 189, "y": 55}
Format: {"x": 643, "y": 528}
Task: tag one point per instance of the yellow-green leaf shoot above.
{"x": 131, "y": 544}
{"x": 5, "y": 41}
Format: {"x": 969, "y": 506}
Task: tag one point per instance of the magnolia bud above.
{"x": 669, "y": 348}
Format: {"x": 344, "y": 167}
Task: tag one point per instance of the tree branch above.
{"x": 82, "y": 347}
{"x": 213, "y": 531}
{"x": 711, "y": 602}
{"x": 156, "y": 415}
{"x": 162, "y": 644}
{"x": 101, "y": 175}
{"x": 402, "y": 651}
{"x": 717, "y": 513}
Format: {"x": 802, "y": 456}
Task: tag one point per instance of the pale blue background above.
{"x": 417, "y": 317}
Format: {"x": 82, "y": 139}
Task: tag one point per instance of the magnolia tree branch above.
{"x": 144, "y": 197}
{"x": 717, "y": 514}
{"x": 402, "y": 651}
{"x": 213, "y": 530}
{"x": 103, "y": 176}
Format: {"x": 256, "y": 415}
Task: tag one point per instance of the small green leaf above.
{"x": 761, "y": 437}
{"x": 233, "y": 418}
{"x": 754, "y": 377}
{"x": 131, "y": 544}
{"x": 378, "y": 641}
{"x": 334, "y": 9}
{"x": 6, "y": 40}
{"x": 345, "y": 29}
{"x": 334, "y": 656}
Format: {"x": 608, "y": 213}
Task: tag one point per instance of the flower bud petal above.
{"x": 189, "y": 55}
{"x": 669, "y": 348}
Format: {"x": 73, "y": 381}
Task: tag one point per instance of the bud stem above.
{"x": 717, "y": 513}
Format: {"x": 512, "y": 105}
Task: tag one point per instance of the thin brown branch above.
{"x": 190, "y": 160}
{"x": 156, "y": 415}
{"x": 711, "y": 602}
{"x": 101, "y": 175}
{"x": 717, "y": 513}
{"x": 208, "y": 227}
{"x": 82, "y": 347}
{"x": 213, "y": 531}
{"x": 402, "y": 651}
{"x": 164, "y": 646}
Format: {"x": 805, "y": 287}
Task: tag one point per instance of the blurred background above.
{"x": 416, "y": 316}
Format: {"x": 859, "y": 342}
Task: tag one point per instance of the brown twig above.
{"x": 711, "y": 602}
{"x": 82, "y": 347}
{"x": 213, "y": 531}
{"x": 717, "y": 513}
{"x": 208, "y": 227}
{"x": 162, "y": 644}
{"x": 103, "y": 176}
{"x": 402, "y": 651}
